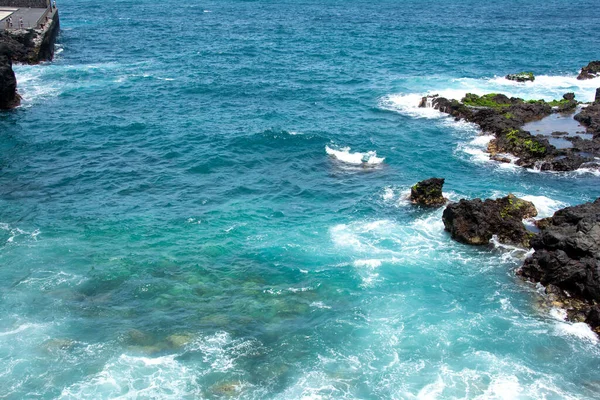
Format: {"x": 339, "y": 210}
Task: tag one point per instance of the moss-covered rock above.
{"x": 521, "y": 77}
{"x": 475, "y": 221}
{"x": 428, "y": 193}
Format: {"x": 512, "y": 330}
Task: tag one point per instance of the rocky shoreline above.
{"x": 505, "y": 117}
{"x": 9, "y": 98}
{"x": 27, "y": 46}
{"x": 566, "y": 250}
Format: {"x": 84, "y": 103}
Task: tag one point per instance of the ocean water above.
{"x": 207, "y": 200}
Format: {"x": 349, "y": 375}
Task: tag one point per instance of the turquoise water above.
{"x": 184, "y": 213}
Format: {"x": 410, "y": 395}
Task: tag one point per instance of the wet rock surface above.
{"x": 475, "y": 221}
{"x": 428, "y": 193}
{"x": 9, "y": 98}
{"x": 590, "y": 71}
{"x": 567, "y": 261}
{"x": 31, "y": 46}
{"x": 521, "y": 77}
{"x": 504, "y": 117}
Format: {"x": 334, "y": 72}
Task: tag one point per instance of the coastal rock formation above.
{"x": 428, "y": 193}
{"x": 590, "y": 118}
{"x": 476, "y": 221}
{"x": 31, "y": 46}
{"x": 590, "y": 71}
{"x": 521, "y": 77}
{"x": 504, "y": 117}
{"x": 567, "y": 261}
{"x": 9, "y": 98}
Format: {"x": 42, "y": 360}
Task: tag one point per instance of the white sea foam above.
{"x": 21, "y": 328}
{"x": 137, "y": 377}
{"x": 47, "y": 280}
{"x": 579, "y": 330}
{"x": 388, "y": 194}
{"x": 319, "y": 304}
{"x": 408, "y": 104}
{"x": 367, "y": 263}
{"x": 344, "y": 155}
{"x": 545, "y": 206}
{"x": 544, "y": 87}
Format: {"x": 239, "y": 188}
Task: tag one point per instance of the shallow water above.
{"x": 173, "y": 226}
{"x": 559, "y": 122}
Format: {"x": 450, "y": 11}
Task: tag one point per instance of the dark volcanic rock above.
{"x": 590, "y": 118}
{"x": 568, "y": 162}
{"x": 590, "y": 71}
{"x": 504, "y": 117}
{"x": 475, "y": 221}
{"x": 597, "y": 98}
{"x": 32, "y": 45}
{"x": 8, "y": 82}
{"x": 428, "y": 192}
{"x": 567, "y": 255}
{"x": 521, "y": 77}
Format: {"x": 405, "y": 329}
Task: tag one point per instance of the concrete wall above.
{"x": 24, "y": 3}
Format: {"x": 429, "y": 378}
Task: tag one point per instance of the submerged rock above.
{"x": 9, "y": 98}
{"x": 476, "y": 222}
{"x": 521, "y": 77}
{"x": 428, "y": 192}
{"x": 567, "y": 260}
{"x": 590, "y": 71}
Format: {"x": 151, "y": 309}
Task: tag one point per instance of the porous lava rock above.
{"x": 9, "y": 98}
{"x": 475, "y": 221}
{"x": 590, "y": 71}
{"x": 428, "y": 193}
{"x": 521, "y": 77}
{"x": 567, "y": 261}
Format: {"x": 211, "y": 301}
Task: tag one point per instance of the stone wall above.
{"x": 24, "y": 3}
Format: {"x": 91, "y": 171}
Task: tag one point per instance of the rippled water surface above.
{"x": 207, "y": 200}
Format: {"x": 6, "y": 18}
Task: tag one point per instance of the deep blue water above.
{"x": 172, "y": 225}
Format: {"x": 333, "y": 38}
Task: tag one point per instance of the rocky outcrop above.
{"x": 521, "y": 77}
{"x": 590, "y": 118}
{"x": 475, "y": 221}
{"x": 503, "y": 117}
{"x": 590, "y": 71}
{"x": 9, "y": 98}
{"x": 567, "y": 261}
{"x": 31, "y": 46}
{"x": 428, "y": 193}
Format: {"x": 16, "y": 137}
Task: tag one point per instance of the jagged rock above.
{"x": 521, "y": 77}
{"x": 32, "y": 45}
{"x": 504, "y": 117}
{"x": 567, "y": 256}
{"x": 476, "y": 221}
{"x": 590, "y": 71}
{"x": 569, "y": 162}
{"x": 428, "y": 192}
{"x": 502, "y": 159}
{"x": 559, "y": 133}
{"x": 590, "y": 118}
{"x": 9, "y": 98}
{"x": 597, "y": 98}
